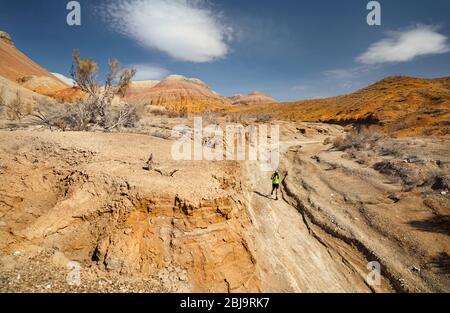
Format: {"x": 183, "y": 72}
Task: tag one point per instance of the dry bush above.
{"x": 97, "y": 110}
{"x": 16, "y": 108}
{"x": 169, "y": 114}
{"x": 161, "y": 134}
{"x": 48, "y": 115}
{"x": 158, "y": 112}
{"x": 234, "y": 118}
{"x": 125, "y": 116}
{"x": 411, "y": 175}
{"x": 2, "y": 100}
{"x": 263, "y": 118}
{"x": 175, "y": 114}
{"x": 390, "y": 148}
{"x": 360, "y": 157}
{"x": 358, "y": 139}
{"x": 208, "y": 117}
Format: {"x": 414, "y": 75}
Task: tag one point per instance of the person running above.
{"x": 275, "y": 183}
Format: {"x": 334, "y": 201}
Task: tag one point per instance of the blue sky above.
{"x": 291, "y": 49}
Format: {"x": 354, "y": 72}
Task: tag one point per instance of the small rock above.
{"x": 17, "y": 253}
{"x": 394, "y": 198}
{"x": 443, "y": 193}
{"x": 415, "y": 269}
{"x": 441, "y": 183}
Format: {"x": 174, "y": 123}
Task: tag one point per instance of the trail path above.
{"x": 284, "y": 243}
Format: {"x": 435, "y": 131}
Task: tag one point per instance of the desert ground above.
{"x": 90, "y": 197}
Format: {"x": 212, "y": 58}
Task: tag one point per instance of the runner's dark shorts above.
{"x": 276, "y": 186}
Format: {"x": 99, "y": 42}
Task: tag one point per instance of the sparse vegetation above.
{"x": 234, "y": 118}
{"x": 358, "y": 139}
{"x": 263, "y": 118}
{"x": 394, "y": 158}
{"x": 98, "y": 109}
{"x": 103, "y": 108}
{"x": 16, "y": 108}
{"x": 161, "y": 134}
{"x": 208, "y": 117}
{"x": 168, "y": 113}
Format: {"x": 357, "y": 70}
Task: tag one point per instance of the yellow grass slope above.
{"x": 404, "y": 106}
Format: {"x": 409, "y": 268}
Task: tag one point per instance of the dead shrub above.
{"x": 208, "y": 117}
{"x": 2, "y": 100}
{"x": 358, "y": 139}
{"x": 98, "y": 110}
{"x": 411, "y": 175}
{"x": 175, "y": 114}
{"x": 161, "y": 134}
{"x": 158, "y": 112}
{"x": 234, "y": 118}
{"x": 263, "y": 118}
{"x": 16, "y": 108}
{"x": 169, "y": 114}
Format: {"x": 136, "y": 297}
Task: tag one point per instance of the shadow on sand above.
{"x": 442, "y": 263}
{"x": 264, "y": 195}
{"x": 437, "y": 224}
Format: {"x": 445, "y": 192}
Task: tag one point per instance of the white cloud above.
{"x": 68, "y": 81}
{"x": 187, "y": 30}
{"x": 402, "y": 46}
{"x": 149, "y": 72}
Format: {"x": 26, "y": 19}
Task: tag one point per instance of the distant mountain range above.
{"x": 400, "y": 105}
{"x": 176, "y": 92}
{"x": 405, "y": 106}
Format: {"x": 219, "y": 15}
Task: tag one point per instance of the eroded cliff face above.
{"x": 199, "y": 247}
{"x": 67, "y": 200}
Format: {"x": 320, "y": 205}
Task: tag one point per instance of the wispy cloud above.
{"x": 187, "y": 30}
{"x": 149, "y": 71}
{"x": 349, "y": 77}
{"x": 402, "y": 46}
